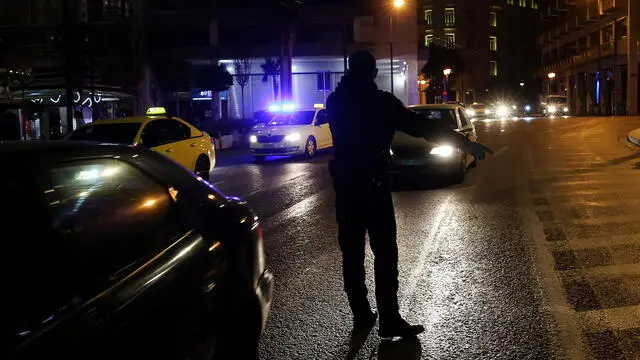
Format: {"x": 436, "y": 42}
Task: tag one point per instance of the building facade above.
{"x": 495, "y": 39}
{"x": 590, "y": 54}
{"x": 80, "y": 57}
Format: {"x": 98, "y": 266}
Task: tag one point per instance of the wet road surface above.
{"x": 535, "y": 256}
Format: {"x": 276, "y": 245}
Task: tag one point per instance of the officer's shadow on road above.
{"x": 402, "y": 349}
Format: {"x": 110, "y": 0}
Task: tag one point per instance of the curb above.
{"x": 634, "y": 137}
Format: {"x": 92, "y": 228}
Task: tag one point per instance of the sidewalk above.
{"x": 634, "y": 136}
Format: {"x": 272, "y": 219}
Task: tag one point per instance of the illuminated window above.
{"x": 450, "y": 39}
{"x": 493, "y": 68}
{"x": 428, "y": 39}
{"x": 428, "y": 17}
{"x": 493, "y": 43}
{"x": 493, "y": 19}
{"x": 523, "y": 3}
{"x": 509, "y": 2}
{"x": 534, "y": 4}
{"x": 449, "y": 16}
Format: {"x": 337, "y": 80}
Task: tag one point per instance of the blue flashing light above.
{"x": 282, "y": 107}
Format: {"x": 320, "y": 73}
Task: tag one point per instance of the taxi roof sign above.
{"x": 318, "y": 106}
{"x": 156, "y": 110}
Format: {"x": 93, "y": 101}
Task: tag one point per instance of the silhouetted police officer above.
{"x": 363, "y": 120}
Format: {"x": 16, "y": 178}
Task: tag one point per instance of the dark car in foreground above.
{"x": 116, "y": 252}
{"x": 411, "y": 157}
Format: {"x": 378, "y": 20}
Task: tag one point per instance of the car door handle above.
{"x": 169, "y": 150}
{"x": 193, "y": 144}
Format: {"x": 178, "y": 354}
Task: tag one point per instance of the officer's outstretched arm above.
{"x": 416, "y": 125}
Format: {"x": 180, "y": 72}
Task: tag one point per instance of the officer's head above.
{"x": 362, "y": 64}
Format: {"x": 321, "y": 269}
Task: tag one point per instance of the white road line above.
{"x": 565, "y": 320}
{"x": 596, "y": 242}
{"x": 425, "y": 250}
{"x": 500, "y": 151}
{"x": 603, "y": 272}
{"x": 298, "y": 209}
{"x": 619, "y": 318}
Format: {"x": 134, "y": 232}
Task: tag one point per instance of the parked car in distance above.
{"x": 116, "y": 252}
{"x": 170, "y": 136}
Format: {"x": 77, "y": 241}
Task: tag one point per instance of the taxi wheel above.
{"x": 202, "y": 167}
{"x": 310, "y": 147}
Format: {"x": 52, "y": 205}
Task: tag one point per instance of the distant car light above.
{"x": 514, "y": 107}
{"x": 502, "y": 111}
{"x": 282, "y": 107}
{"x": 470, "y": 112}
{"x": 565, "y": 109}
{"x": 552, "y": 109}
{"x": 292, "y": 137}
{"x": 527, "y": 108}
{"x": 444, "y": 150}
{"x": 253, "y": 139}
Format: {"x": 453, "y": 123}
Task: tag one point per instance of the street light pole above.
{"x": 391, "y": 48}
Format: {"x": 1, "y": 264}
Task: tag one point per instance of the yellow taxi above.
{"x": 171, "y": 136}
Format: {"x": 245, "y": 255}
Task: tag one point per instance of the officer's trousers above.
{"x": 362, "y": 210}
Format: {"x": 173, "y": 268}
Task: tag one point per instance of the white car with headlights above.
{"x": 412, "y": 156}
{"x": 555, "y": 105}
{"x": 291, "y": 132}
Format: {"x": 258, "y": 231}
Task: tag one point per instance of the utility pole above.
{"x": 69, "y": 22}
{"x": 633, "y": 23}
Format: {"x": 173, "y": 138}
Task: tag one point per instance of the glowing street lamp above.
{"x": 521, "y": 83}
{"x": 551, "y": 75}
{"x": 397, "y": 4}
{"x": 446, "y": 72}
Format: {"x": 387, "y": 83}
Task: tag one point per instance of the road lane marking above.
{"x": 601, "y": 272}
{"x": 500, "y": 151}
{"x": 298, "y": 209}
{"x": 619, "y": 318}
{"x": 425, "y": 250}
{"x": 595, "y": 242}
{"x": 570, "y": 334}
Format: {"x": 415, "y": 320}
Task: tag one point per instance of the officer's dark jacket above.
{"x": 363, "y": 120}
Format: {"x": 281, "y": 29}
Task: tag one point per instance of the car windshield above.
{"x": 295, "y": 118}
{"x": 446, "y": 116}
{"x": 124, "y": 133}
{"x": 557, "y": 100}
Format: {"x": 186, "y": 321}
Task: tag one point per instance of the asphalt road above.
{"x": 535, "y": 256}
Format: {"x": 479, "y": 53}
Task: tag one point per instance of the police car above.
{"x": 170, "y": 136}
{"x": 290, "y": 131}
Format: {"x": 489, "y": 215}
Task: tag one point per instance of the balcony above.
{"x": 590, "y": 55}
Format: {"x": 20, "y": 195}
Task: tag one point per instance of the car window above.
{"x": 294, "y": 118}
{"x": 321, "y": 119}
{"x": 463, "y": 118}
{"x": 124, "y": 133}
{"x": 110, "y": 216}
{"x": 446, "y": 116}
{"x": 160, "y": 132}
{"x": 31, "y": 271}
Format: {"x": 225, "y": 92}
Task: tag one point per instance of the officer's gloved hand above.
{"x": 478, "y": 150}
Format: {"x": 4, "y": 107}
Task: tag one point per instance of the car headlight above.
{"x": 527, "y": 108}
{"x": 444, "y": 150}
{"x": 565, "y": 109}
{"x": 253, "y": 139}
{"x": 470, "y": 112}
{"x": 292, "y": 137}
{"x": 502, "y": 111}
{"x": 488, "y": 111}
{"x": 553, "y": 109}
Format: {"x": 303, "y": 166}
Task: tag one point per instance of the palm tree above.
{"x": 271, "y": 68}
{"x": 243, "y": 71}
